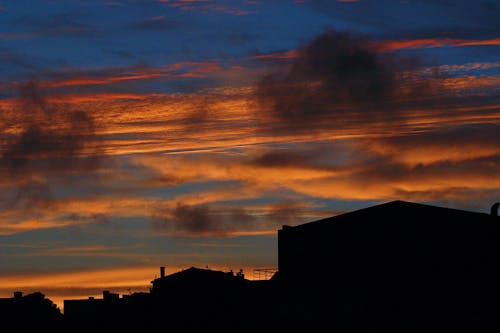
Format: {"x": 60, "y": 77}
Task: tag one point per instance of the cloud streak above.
{"x": 183, "y": 69}
{"x": 393, "y": 45}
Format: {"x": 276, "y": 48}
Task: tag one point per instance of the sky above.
{"x": 145, "y": 133}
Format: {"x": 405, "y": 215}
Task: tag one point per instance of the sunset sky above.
{"x": 145, "y": 133}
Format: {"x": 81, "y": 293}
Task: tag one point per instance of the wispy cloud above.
{"x": 392, "y": 45}
{"x": 185, "y": 69}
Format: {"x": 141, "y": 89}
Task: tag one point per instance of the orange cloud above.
{"x": 184, "y": 69}
{"x": 355, "y": 179}
{"x": 385, "y": 167}
{"x": 78, "y": 98}
{"x": 175, "y": 70}
{"x": 471, "y": 82}
{"x": 84, "y": 81}
{"x": 394, "y": 45}
{"x": 231, "y": 119}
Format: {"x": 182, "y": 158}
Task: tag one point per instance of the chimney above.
{"x": 162, "y": 272}
{"x": 494, "y": 209}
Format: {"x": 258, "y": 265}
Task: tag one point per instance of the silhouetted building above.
{"x": 394, "y": 263}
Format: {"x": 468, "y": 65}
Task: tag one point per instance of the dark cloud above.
{"x": 199, "y": 220}
{"x": 212, "y": 220}
{"x": 42, "y": 143}
{"x": 282, "y": 159}
{"x": 335, "y": 76}
{"x": 286, "y": 212}
{"x": 316, "y": 156}
{"x": 46, "y": 134}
